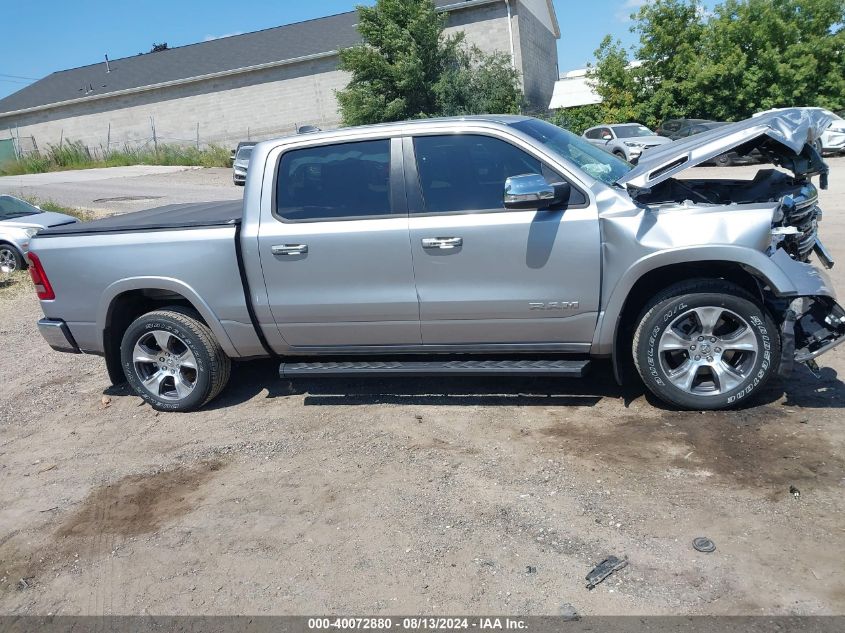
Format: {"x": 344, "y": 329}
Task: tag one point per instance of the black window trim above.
{"x": 416, "y": 200}
{"x": 398, "y": 202}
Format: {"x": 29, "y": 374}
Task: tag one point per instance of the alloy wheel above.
{"x": 165, "y": 365}
{"x": 8, "y": 260}
{"x": 708, "y": 351}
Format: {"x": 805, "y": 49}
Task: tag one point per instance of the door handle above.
{"x": 442, "y": 242}
{"x": 289, "y": 249}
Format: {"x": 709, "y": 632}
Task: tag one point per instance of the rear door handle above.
{"x": 442, "y": 242}
{"x": 289, "y": 249}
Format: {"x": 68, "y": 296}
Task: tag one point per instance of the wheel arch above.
{"x": 126, "y": 300}
{"x": 615, "y": 331}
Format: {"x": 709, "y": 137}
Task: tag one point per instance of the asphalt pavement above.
{"x": 123, "y": 189}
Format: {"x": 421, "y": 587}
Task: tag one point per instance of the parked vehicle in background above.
{"x": 833, "y": 139}
{"x": 725, "y": 160}
{"x": 697, "y": 127}
{"x": 234, "y": 152}
{"x": 241, "y": 164}
{"x": 466, "y": 246}
{"x": 674, "y": 128}
{"x": 626, "y": 140}
{"x": 19, "y": 222}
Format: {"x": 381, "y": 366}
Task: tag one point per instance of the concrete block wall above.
{"x": 537, "y": 47}
{"x": 485, "y": 26}
{"x": 261, "y": 104}
{"x": 270, "y": 102}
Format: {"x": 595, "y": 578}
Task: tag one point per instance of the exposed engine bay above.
{"x": 795, "y": 224}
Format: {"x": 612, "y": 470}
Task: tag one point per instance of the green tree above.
{"x": 477, "y": 83}
{"x": 745, "y": 56}
{"x": 406, "y": 68}
{"x": 579, "y": 118}
{"x": 397, "y": 66}
{"x": 615, "y": 82}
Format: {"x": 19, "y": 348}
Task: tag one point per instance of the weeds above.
{"x": 48, "y": 205}
{"x": 75, "y": 155}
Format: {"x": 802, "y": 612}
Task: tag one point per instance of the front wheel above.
{"x": 172, "y": 360}
{"x": 705, "y": 345}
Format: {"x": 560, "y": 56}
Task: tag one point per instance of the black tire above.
{"x": 184, "y": 333}
{"x": 724, "y": 161}
{"x": 10, "y": 258}
{"x": 711, "y": 386}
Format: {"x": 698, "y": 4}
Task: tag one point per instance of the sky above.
{"x": 43, "y": 36}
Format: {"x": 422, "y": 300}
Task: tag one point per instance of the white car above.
{"x": 19, "y": 222}
{"x": 833, "y": 139}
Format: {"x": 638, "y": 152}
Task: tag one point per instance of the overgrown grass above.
{"x": 82, "y": 215}
{"x": 75, "y": 155}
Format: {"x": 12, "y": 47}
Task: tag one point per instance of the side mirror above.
{"x": 531, "y": 191}
{"x": 607, "y": 137}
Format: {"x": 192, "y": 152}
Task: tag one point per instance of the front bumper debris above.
{"x": 58, "y": 336}
{"x": 811, "y": 327}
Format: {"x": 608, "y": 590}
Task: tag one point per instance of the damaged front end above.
{"x": 811, "y": 321}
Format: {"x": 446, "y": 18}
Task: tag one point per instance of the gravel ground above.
{"x": 413, "y": 496}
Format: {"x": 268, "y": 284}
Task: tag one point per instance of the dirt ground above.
{"x": 414, "y": 496}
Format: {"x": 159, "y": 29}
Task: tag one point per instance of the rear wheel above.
{"x": 705, "y": 345}
{"x": 172, "y": 360}
{"x": 10, "y": 259}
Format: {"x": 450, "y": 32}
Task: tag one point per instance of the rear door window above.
{"x": 334, "y": 182}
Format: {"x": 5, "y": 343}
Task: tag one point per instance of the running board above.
{"x": 386, "y": 369}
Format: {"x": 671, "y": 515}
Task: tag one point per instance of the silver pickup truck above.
{"x": 470, "y": 246}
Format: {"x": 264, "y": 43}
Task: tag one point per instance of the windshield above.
{"x": 630, "y": 131}
{"x": 15, "y": 208}
{"x": 244, "y": 152}
{"x": 596, "y": 162}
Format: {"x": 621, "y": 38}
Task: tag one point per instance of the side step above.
{"x": 386, "y": 369}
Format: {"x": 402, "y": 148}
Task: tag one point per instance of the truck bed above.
{"x": 172, "y": 216}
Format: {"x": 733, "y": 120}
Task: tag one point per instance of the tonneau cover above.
{"x": 172, "y": 216}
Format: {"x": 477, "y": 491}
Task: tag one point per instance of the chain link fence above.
{"x": 99, "y": 145}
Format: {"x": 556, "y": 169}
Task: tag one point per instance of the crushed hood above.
{"x": 790, "y": 128}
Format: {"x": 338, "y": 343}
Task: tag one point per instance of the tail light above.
{"x": 42, "y": 285}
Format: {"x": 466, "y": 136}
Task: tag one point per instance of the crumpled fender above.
{"x": 785, "y": 277}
